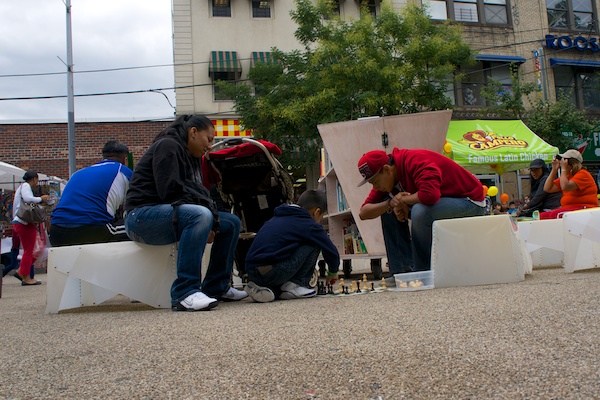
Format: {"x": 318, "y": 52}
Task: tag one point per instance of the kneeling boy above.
{"x": 284, "y": 253}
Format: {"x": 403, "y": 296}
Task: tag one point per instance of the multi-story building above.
{"x": 554, "y": 43}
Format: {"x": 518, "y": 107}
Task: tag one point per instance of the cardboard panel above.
{"x": 347, "y": 141}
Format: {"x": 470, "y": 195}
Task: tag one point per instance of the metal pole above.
{"x": 70, "y": 96}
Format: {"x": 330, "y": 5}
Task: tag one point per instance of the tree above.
{"x": 557, "y": 121}
{"x": 553, "y": 121}
{"x": 508, "y": 101}
{"x": 393, "y": 64}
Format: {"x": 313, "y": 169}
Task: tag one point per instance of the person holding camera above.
{"x": 577, "y": 185}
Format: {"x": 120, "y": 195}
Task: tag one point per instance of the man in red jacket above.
{"x": 420, "y": 185}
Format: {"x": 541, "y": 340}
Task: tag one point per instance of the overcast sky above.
{"x": 107, "y": 34}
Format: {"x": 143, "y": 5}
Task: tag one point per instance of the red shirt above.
{"x": 431, "y": 175}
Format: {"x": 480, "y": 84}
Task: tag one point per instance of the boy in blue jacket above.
{"x": 284, "y": 253}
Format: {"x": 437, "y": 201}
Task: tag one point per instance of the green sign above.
{"x": 485, "y": 147}
{"x": 588, "y": 146}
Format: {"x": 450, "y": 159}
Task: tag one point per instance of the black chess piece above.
{"x": 321, "y": 289}
{"x": 346, "y": 290}
{"x": 372, "y": 287}
{"x": 330, "y": 289}
{"x": 358, "y": 287}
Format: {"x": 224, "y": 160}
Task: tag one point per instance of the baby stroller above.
{"x": 247, "y": 180}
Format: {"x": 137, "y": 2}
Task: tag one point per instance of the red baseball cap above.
{"x": 371, "y": 163}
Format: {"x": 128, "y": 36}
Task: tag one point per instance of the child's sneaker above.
{"x": 196, "y": 301}
{"x": 233, "y": 295}
{"x": 260, "y": 294}
{"x": 291, "y": 290}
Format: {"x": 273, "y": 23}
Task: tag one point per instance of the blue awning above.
{"x": 497, "y": 58}
{"x": 554, "y": 62}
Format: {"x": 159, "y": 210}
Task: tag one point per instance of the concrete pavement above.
{"x": 537, "y": 339}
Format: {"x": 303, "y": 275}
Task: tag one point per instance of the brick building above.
{"x": 44, "y": 146}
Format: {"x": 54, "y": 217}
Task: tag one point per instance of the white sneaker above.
{"x": 196, "y": 301}
{"x": 260, "y": 294}
{"x": 234, "y": 295}
{"x": 291, "y": 290}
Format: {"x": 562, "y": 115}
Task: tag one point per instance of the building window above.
{"x": 581, "y": 84}
{"x": 571, "y": 14}
{"x": 468, "y": 91}
{"x": 221, "y": 8}
{"x": 261, "y": 8}
{"x": 336, "y": 9}
{"x": 491, "y": 12}
{"x": 223, "y": 66}
{"x": 218, "y": 95}
{"x": 372, "y": 7}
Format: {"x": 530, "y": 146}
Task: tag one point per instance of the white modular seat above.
{"x": 582, "y": 239}
{"x": 478, "y": 251}
{"x": 91, "y": 274}
{"x": 544, "y": 241}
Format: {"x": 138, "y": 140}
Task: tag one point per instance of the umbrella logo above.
{"x": 481, "y": 140}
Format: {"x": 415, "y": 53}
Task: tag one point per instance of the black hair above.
{"x": 114, "y": 148}
{"x": 313, "y": 199}
{"x": 29, "y": 175}
{"x": 180, "y": 126}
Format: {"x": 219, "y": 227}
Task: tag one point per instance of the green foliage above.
{"x": 552, "y": 119}
{"x": 394, "y": 64}
{"x": 508, "y": 102}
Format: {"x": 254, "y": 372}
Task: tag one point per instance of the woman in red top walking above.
{"x": 577, "y": 185}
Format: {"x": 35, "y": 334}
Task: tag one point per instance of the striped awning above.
{"x": 262, "y": 57}
{"x": 224, "y": 61}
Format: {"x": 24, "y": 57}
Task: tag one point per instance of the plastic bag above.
{"x": 40, "y": 248}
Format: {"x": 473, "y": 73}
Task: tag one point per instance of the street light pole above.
{"x": 70, "y": 95}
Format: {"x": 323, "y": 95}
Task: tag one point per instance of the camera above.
{"x": 558, "y": 157}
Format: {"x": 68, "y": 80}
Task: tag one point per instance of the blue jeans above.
{"x": 398, "y": 239}
{"x": 154, "y": 225}
{"x": 299, "y": 268}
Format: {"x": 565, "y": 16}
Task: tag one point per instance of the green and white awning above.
{"x": 484, "y": 147}
{"x": 224, "y": 61}
{"x": 262, "y": 57}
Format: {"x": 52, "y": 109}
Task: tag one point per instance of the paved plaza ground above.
{"x": 537, "y": 339}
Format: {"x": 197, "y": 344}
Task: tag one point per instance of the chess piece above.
{"x": 358, "y": 287}
{"x": 364, "y": 279}
{"x": 321, "y": 289}
{"x": 346, "y": 290}
{"x": 372, "y": 287}
{"x": 383, "y": 285}
{"x": 342, "y": 283}
{"x": 340, "y": 288}
{"x": 353, "y": 286}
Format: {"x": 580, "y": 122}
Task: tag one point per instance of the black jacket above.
{"x": 540, "y": 200}
{"x": 168, "y": 174}
{"x": 290, "y": 227}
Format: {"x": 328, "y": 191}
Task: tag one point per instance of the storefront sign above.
{"x": 565, "y": 42}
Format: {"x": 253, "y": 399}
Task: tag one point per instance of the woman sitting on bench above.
{"x": 167, "y": 202}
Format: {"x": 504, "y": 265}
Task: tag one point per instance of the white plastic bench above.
{"x": 91, "y": 274}
{"x": 545, "y": 241}
{"x": 582, "y": 239}
{"x": 478, "y": 251}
